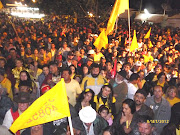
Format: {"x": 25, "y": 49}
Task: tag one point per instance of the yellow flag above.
{"x": 134, "y": 44}
{"x": 177, "y": 132}
{"x": 150, "y": 45}
{"x": 1, "y": 5}
{"x": 51, "y": 106}
{"x": 148, "y": 34}
{"x": 119, "y": 7}
{"x": 101, "y": 41}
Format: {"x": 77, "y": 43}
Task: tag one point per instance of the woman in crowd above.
{"x": 73, "y": 70}
{"x": 161, "y": 81}
{"x": 85, "y": 70}
{"x": 24, "y": 75}
{"x": 19, "y": 67}
{"x": 34, "y": 71}
{"x": 105, "y": 97}
{"x": 78, "y": 78}
{"x": 171, "y": 95}
{"x": 127, "y": 118}
{"x": 85, "y": 99}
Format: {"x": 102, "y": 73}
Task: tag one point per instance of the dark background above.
{"x": 99, "y": 7}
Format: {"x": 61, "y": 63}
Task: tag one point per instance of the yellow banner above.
{"x": 102, "y": 40}
{"x": 148, "y": 34}
{"x": 134, "y": 44}
{"x": 51, "y": 106}
{"x": 119, "y": 7}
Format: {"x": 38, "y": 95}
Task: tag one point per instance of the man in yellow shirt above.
{"x": 72, "y": 86}
{"x": 6, "y": 83}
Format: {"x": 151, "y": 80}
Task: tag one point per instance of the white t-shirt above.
{"x": 131, "y": 90}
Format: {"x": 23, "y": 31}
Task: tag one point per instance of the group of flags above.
{"x": 134, "y": 44}
{"x": 53, "y": 104}
{"x": 119, "y": 7}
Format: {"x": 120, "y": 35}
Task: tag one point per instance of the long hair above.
{"x": 81, "y": 96}
{"x": 168, "y": 89}
{"x": 131, "y": 105}
{"x": 110, "y": 95}
{"x": 28, "y": 78}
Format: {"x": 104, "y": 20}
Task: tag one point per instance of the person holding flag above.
{"x": 23, "y": 100}
{"x": 51, "y": 106}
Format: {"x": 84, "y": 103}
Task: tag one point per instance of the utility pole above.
{"x": 140, "y": 8}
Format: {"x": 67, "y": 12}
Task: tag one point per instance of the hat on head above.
{"x": 91, "y": 52}
{"x": 45, "y": 88}
{"x": 23, "y": 97}
{"x": 156, "y": 60}
{"x": 122, "y": 73}
{"x": 138, "y": 63}
{"x": 142, "y": 91}
{"x": 87, "y": 114}
{"x": 59, "y": 57}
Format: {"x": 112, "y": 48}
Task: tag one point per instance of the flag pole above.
{"x": 116, "y": 24}
{"x": 70, "y": 125}
{"x": 129, "y": 26}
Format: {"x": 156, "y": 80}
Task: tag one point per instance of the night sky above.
{"x": 154, "y": 6}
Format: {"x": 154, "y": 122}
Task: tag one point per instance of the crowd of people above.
{"x": 110, "y": 91}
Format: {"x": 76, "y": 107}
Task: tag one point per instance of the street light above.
{"x": 146, "y": 11}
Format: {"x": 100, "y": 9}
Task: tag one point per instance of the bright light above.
{"x": 27, "y": 8}
{"x": 146, "y": 11}
{"x": 18, "y": 3}
{"x": 34, "y": 1}
{"x": 27, "y": 15}
{"x": 90, "y": 14}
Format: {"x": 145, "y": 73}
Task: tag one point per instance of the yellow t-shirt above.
{"x": 98, "y": 104}
{"x": 174, "y": 101}
{"x": 97, "y": 57}
{"x": 73, "y": 88}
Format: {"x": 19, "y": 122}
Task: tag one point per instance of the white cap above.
{"x": 87, "y": 114}
{"x": 138, "y": 63}
{"x": 91, "y": 52}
